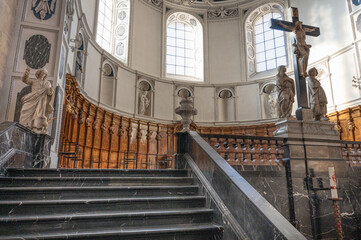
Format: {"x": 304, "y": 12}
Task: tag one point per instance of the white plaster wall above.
{"x": 92, "y": 72}
{"x": 341, "y": 78}
{"x": 125, "y": 94}
{"x": 331, "y": 16}
{"x": 163, "y": 104}
{"x": 204, "y": 103}
{"x": 146, "y": 41}
{"x": 248, "y": 102}
{"x": 89, "y": 8}
{"x": 224, "y": 51}
{"x": 73, "y": 34}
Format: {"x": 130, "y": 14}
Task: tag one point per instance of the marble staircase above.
{"x": 104, "y": 204}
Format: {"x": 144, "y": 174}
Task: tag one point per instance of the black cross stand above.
{"x": 301, "y": 88}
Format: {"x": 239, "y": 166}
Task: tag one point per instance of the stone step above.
{"x": 93, "y": 181}
{"x": 54, "y": 222}
{"x": 208, "y": 231}
{"x": 93, "y": 192}
{"x": 62, "y": 172}
{"x": 27, "y": 208}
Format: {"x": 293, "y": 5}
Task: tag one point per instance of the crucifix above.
{"x": 301, "y": 53}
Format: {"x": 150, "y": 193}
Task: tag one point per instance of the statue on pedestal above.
{"x": 286, "y": 93}
{"x": 37, "y": 105}
{"x": 318, "y": 97}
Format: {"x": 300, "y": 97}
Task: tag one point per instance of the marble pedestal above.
{"x": 312, "y": 147}
{"x": 22, "y": 148}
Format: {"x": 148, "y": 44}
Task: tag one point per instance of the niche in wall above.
{"x": 80, "y": 48}
{"x": 268, "y": 95}
{"x": 180, "y": 93}
{"x": 225, "y": 105}
{"x": 108, "y": 84}
{"x": 145, "y": 97}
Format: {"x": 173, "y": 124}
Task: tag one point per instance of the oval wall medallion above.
{"x": 37, "y": 51}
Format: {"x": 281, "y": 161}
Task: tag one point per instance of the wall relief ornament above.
{"x": 37, "y": 51}
{"x": 223, "y": 13}
{"x": 43, "y": 9}
{"x": 156, "y": 3}
{"x": 183, "y": 2}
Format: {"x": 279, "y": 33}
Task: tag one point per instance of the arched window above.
{"x": 113, "y": 27}
{"x": 184, "y": 49}
{"x": 266, "y": 47}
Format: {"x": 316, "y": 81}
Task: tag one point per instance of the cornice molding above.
{"x": 215, "y": 10}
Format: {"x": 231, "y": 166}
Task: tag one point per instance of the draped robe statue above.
{"x": 286, "y": 93}
{"x": 318, "y": 97}
{"x": 37, "y": 105}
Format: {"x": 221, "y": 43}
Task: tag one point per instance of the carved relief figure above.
{"x": 269, "y": 94}
{"x": 44, "y": 7}
{"x": 272, "y": 102}
{"x": 318, "y": 97}
{"x": 286, "y": 93}
{"x": 37, "y": 105}
{"x": 144, "y": 102}
{"x": 302, "y": 49}
{"x": 144, "y": 98}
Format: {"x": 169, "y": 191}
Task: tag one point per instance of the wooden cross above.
{"x": 301, "y": 88}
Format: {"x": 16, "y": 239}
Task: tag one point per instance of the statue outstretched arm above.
{"x": 285, "y": 26}
{"x": 309, "y": 29}
{"x": 26, "y": 76}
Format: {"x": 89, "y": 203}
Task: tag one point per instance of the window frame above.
{"x": 251, "y": 19}
{"x": 116, "y": 40}
{"x": 202, "y": 29}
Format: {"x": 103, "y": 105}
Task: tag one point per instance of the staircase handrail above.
{"x": 257, "y": 217}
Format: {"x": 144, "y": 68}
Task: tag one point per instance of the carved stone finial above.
{"x": 37, "y": 105}
{"x": 186, "y": 111}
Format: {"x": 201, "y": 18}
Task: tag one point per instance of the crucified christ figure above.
{"x": 302, "y": 49}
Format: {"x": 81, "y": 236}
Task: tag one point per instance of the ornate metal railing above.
{"x": 248, "y": 150}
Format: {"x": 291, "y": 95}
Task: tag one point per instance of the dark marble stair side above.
{"x": 51, "y": 172}
{"x": 90, "y": 204}
{"x": 94, "y": 181}
{"x": 91, "y": 192}
{"x": 46, "y": 207}
{"x": 105, "y": 220}
{"x": 171, "y": 232}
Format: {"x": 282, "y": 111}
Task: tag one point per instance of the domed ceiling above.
{"x": 203, "y": 3}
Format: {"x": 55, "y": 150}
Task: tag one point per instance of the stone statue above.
{"x": 37, "y": 105}
{"x": 302, "y": 49}
{"x": 286, "y": 93}
{"x": 318, "y": 97}
{"x": 144, "y": 102}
